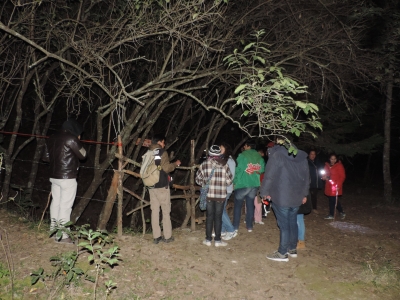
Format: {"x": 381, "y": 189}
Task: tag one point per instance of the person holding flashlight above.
{"x": 334, "y": 176}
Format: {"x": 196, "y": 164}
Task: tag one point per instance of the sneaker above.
{"x": 249, "y": 230}
{"x": 277, "y": 256}
{"x": 207, "y": 243}
{"x": 229, "y": 235}
{"x": 223, "y": 233}
{"x": 65, "y": 241}
{"x": 342, "y": 215}
{"x": 170, "y": 240}
{"x": 220, "y": 244}
{"x": 157, "y": 240}
{"x": 261, "y": 223}
{"x": 292, "y": 253}
{"x": 329, "y": 217}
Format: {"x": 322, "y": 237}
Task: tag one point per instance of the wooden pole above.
{"x": 192, "y": 189}
{"x": 120, "y": 188}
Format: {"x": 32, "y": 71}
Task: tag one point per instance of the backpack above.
{"x": 149, "y": 171}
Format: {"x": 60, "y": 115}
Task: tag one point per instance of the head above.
{"x": 312, "y": 155}
{"x": 159, "y": 140}
{"x": 73, "y": 127}
{"x": 250, "y": 144}
{"x": 214, "y": 151}
{"x": 226, "y": 149}
{"x": 261, "y": 150}
{"x": 333, "y": 159}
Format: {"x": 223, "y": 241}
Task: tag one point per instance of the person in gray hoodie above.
{"x": 286, "y": 182}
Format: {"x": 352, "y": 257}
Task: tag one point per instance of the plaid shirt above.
{"x": 220, "y": 180}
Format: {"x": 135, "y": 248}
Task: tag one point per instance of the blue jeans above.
{"x": 301, "y": 227}
{"x": 214, "y": 219}
{"x": 226, "y": 221}
{"x": 248, "y": 195}
{"x": 287, "y": 222}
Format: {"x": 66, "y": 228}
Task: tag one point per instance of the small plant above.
{"x": 94, "y": 243}
{"x": 102, "y": 253}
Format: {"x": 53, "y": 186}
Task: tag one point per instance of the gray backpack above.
{"x": 149, "y": 171}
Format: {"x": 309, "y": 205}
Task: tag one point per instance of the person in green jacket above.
{"x": 250, "y": 165}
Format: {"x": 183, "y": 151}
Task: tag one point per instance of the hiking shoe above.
{"x": 65, "y": 241}
{"x": 277, "y": 256}
{"x": 207, "y": 243}
{"x": 170, "y": 240}
{"x": 220, "y": 244}
{"x": 261, "y": 223}
{"x": 329, "y": 217}
{"x": 157, "y": 240}
{"x": 292, "y": 253}
{"x": 342, "y": 215}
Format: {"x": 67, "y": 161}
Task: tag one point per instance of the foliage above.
{"x": 266, "y": 94}
{"x": 102, "y": 253}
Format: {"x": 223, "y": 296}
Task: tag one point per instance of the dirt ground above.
{"x": 355, "y": 258}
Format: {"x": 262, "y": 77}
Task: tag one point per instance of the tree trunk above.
{"x": 387, "y": 181}
{"x": 108, "y": 206}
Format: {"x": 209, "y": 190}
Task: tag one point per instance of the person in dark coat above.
{"x": 316, "y": 182}
{"x": 63, "y": 151}
{"x": 286, "y": 183}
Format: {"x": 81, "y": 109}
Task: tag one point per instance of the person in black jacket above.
{"x": 286, "y": 183}
{"x": 63, "y": 151}
{"x": 315, "y": 178}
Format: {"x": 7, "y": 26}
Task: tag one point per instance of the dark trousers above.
{"x": 214, "y": 219}
{"x": 332, "y": 202}
{"x": 313, "y": 195}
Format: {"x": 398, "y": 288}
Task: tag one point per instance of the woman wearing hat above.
{"x": 216, "y": 171}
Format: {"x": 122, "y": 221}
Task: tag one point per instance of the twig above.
{"x": 47, "y": 205}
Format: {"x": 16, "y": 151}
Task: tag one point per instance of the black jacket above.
{"x": 315, "y": 176}
{"x": 63, "y": 151}
{"x": 286, "y": 177}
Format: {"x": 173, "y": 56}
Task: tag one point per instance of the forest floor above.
{"x": 355, "y": 258}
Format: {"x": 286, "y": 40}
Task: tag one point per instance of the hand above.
{"x": 304, "y": 200}
{"x": 178, "y": 163}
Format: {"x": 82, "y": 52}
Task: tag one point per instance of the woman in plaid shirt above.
{"x": 221, "y": 178}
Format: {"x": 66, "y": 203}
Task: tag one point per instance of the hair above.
{"x": 228, "y": 149}
{"x": 311, "y": 150}
{"x": 251, "y": 143}
{"x": 157, "y": 138}
{"x": 334, "y": 154}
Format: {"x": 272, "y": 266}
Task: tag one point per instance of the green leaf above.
{"x": 70, "y": 276}
{"x": 240, "y": 88}
{"x": 260, "y": 59}
{"x": 301, "y": 104}
{"x": 248, "y": 46}
{"x": 34, "y": 279}
{"x": 90, "y": 258}
{"x": 245, "y": 113}
{"x": 313, "y": 106}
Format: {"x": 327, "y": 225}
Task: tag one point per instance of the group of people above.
{"x": 287, "y": 181}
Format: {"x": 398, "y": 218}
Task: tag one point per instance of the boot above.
{"x": 301, "y": 245}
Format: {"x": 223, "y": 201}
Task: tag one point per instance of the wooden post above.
{"x": 120, "y": 188}
{"x": 192, "y": 189}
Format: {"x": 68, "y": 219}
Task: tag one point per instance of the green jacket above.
{"x": 250, "y": 165}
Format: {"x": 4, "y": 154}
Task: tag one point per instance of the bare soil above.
{"x": 355, "y": 258}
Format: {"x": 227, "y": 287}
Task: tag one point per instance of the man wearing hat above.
{"x": 63, "y": 151}
{"x": 214, "y": 170}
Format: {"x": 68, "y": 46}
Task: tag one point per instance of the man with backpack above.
{"x": 160, "y": 194}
